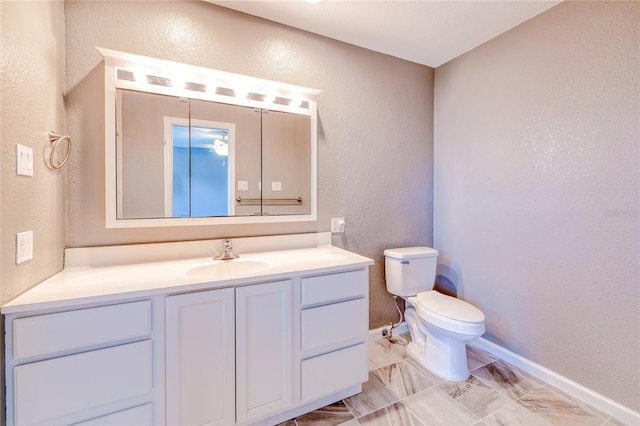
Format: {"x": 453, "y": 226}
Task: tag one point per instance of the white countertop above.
{"x": 81, "y": 285}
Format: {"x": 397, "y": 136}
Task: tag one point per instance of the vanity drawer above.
{"x": 46, "y": 390}
{"x": 333, "y": 372}
{"x": 141, "y": 415}
{"x": 328, "y": 288}
{"x": 51, "y": 333}
{"x": 335, "y": 323}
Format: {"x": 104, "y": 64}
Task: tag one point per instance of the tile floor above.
{"x": 401, "y": 392}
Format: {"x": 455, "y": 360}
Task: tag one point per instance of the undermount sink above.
{"x": 238, "y": 266}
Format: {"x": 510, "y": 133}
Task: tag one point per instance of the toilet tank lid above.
{"x": 411, "y": 252}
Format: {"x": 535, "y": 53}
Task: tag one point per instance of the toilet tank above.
{"x": 410, "y": 270}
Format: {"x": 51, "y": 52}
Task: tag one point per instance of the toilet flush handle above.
{"x": 404, "y": 262}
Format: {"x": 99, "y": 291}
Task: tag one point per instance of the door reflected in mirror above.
{"x": 202, "y": 159}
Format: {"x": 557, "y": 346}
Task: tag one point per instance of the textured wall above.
{"x": 32, "y": 37}
{"x": 536, "y": 190}
{"x": 375, "y": 123}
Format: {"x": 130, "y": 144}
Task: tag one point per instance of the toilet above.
{"x": 440, "y": 325}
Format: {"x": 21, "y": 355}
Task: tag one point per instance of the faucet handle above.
{"x": 227, "y": 251}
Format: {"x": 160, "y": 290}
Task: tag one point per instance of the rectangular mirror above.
{"x": 205, "y": 148}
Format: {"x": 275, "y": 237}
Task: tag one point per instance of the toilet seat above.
{"x": 448, "y": 313}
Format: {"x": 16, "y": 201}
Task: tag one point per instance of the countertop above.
{"x": 84, "y": 285}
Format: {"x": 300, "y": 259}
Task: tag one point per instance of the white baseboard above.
{"x": 575, "y": 390}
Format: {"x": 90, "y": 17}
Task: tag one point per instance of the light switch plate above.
{"x": 24, "y": 246}
{"x": 243, "y": 185}
{"x": 276, "y": 186}
{"x": 24, "y": 160}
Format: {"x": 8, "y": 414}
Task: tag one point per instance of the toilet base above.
{"x": 444, "y": 357}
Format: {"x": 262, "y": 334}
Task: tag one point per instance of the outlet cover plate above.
{"x": 337, "y": 225}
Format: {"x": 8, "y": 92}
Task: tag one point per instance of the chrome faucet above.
{"x": 227, "y": 253}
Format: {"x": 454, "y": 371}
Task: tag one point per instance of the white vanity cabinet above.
{"x": 334, "y": 319}
{"x": 264, "y": 350}
{"x": 229, "y": 361}
{"x": 174, "y": 350}
{"x": 200, "y": 358}
{"x": 297, "y": 341}
{"x": 78, "y": 365}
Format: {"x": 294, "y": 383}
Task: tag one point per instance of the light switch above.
{"x": 243, "y": 185}
{"x": 24, "y": 160}
{"x": 276, "y": 186}
{"x": 24, "y": 246}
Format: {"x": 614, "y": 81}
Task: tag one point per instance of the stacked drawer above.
{"x": 334, "y": 331}
{"x": 70, "y": 364}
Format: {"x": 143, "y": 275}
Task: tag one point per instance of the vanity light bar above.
{"x": 196, "y": 87}
{"x": 128, "y": 75}
{"x": 125, "y": 75}
{"x": 158, "y": 81}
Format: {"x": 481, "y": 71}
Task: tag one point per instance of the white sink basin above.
{"x": 238, "y": 266}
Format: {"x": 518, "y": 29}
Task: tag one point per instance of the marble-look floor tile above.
{"x": 434, "y": 378}
{"x": 514, "y": 414}
{"x": 352, "y": 422}
{"x": 373, "y": 396}
{"x": 579, "y": 403}
{"x": 479, "y": 398}
{"x": 477, "y": 358}
{"x": 291, "y": 422}
{"x": 330, "y": 415}
{"x": 509, "y": 380}
{"x": 379, "y": 356}
{"x": 435, "y": 407}
{"x": 402, "y": 379}
{"x": 399, "y": 346}
{"x": 613, "y": 422}
{"x": 395, "y": 414}
{"x": 557, "y": 409}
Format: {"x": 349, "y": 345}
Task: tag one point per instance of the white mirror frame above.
{"x": 114, "y": 60}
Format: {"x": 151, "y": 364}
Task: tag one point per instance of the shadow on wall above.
{"x": 447, "y": 281}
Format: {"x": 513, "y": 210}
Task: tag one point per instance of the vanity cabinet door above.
{"x": 264, "y": 345}
{"x": 200, "y": 358}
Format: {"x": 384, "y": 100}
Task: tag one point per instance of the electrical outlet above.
{"x": 24, "y": 246}
{"x": 337, "y": 225}
{"x": 24, "y": 160}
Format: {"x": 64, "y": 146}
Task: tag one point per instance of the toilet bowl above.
{"x": 439, "y": 325}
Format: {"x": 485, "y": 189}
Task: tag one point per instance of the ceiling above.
{"x": 423, "y": 31}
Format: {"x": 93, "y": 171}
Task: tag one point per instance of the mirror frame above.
{"x": 201, "y": 77}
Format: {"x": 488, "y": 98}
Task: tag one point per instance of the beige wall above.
{"x": 536, "y": 190}
{"x": 32, "y": 45}
{"x": 375, "y": 123}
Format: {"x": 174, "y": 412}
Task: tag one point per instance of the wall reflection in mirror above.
{"x": 179, "y": 157}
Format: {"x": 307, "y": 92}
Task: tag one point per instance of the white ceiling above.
{"x": 427, "y": 32}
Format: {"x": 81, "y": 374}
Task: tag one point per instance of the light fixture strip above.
{"x": 133, "y": 71}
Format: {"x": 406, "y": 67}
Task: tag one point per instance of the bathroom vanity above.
{"x": 278, "y": 332}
